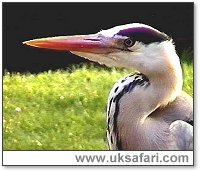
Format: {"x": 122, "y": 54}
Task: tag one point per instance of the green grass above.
{"x": 62, "y": 110}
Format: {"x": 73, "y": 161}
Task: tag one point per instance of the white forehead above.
{"x": 111, "y": 32}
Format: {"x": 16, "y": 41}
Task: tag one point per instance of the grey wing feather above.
{"x": 182, "y": 135}
{"x": 181, "y": 118}
{"x": 179, "y": 115}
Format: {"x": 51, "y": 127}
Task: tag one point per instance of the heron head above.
{"x": 136, "y": 45}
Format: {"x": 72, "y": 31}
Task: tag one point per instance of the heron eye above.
{"x": 128, "y": 42}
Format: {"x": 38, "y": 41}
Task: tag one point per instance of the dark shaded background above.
{"x": 25, "y": 21}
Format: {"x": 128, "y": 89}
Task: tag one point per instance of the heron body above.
{"x": 158, "y": 131}
{"x": 146, "y": 110}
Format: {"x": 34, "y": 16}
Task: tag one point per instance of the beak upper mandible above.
{"x": 81, "y": 43}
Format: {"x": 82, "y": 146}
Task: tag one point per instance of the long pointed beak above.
{"x": 93, "y": 43}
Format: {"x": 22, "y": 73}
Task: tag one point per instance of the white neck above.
{"x": 161, "y": 65}
{"x": 167, "y": 81}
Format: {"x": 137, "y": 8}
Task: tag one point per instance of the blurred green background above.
{"x": 63, "y": 110}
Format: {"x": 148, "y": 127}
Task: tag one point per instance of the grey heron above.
{"x": 146, "y": 110}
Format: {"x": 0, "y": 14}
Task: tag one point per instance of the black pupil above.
{"x": 128, "y": 42}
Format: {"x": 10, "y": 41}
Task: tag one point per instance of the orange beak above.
{"x": 93, "y": 43}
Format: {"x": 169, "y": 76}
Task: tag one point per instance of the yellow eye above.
{"x": 128, "y": 42}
